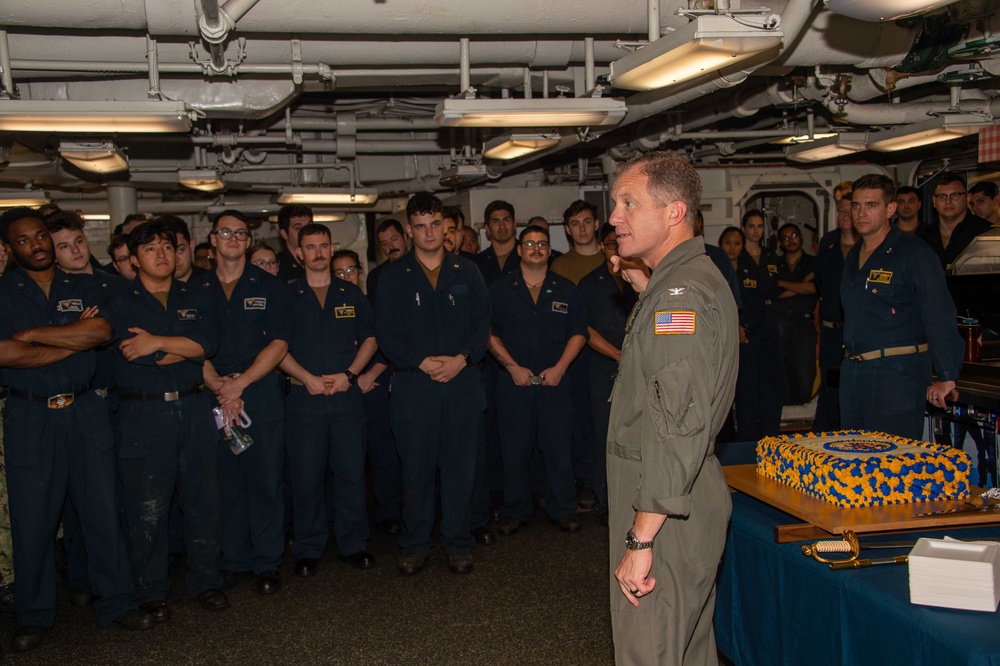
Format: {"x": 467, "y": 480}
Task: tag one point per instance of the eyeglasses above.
{"x": 122, "y": 259}
{"x": 531, "y": 245}
{"x": 226, "y": 234}
{"x": 790, "y": 236}
{"x": 344, "y": 272}
{"x": 954, "y": 196}
{"x": 611, "y": 245}
{"x": 265, "y": 263}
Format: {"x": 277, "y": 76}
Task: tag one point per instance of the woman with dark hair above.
{"x": 758, "y": 385}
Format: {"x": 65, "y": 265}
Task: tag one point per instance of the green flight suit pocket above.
{"x": 670, "y": 396}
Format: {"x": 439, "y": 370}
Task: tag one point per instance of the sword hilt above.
{"x": 849, "y": 544}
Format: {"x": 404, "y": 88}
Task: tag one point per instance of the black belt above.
{"x": 57, "y": 401}
{"x": 169, "y": 396}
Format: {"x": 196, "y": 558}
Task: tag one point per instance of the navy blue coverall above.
{"x": 535, "y": 335}
{"x": 54, "y": 451}
{"x": 829, "y": 271}
{"x": 387, "y": 481}
{"x": 608, "y": 304}
{"x": 323, "y": 431}
{"x": 796, "y": 333}
{"x": 250, "y": 484}
{"x": 438, "y": 426}
{"x": 104, "y": 384}
{"x": 167, "y": 438}
{"x": 758, "y": 385}
{"x": 898, "y": 298}
{"x": 489, "y": 477}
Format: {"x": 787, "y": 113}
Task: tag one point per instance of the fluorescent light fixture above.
{"x": 29, "y": 198}
{"x": 704, "y": 45}
{"x": 317, "y": 217}
{"x": 846, "y": 143}
{"x": 326, "y": 196}
{"x": 106, "y": 117}
{"x": 512, "y": 146}
{"x": 96, "y": 217}
{"x": 884, "y": 10}
{"x": 101, "y": 157}
{"x": 207, "y": 180}
{"x": 803, "y": 138}
{"x": 945, "y": 127}
{"x": 553, "y": 112}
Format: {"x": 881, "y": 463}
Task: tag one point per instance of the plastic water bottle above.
{"x": 233, "y": 433}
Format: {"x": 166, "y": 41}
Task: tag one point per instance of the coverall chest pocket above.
{"x": 881, "y": 299}
{"x": 670, "y": 397}
{"x": 458, "y": 302}
{"x": 255, "y": 318}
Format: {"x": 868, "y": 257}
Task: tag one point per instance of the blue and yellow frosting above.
{"x": 853, "y": 468}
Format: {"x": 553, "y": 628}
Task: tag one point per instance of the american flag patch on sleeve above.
{"x": 674, "y": 322}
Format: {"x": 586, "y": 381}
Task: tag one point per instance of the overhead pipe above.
{"x": 153, "y": 65}
{"x": 588, "y": 63}
{"x": 373, "y": 18}
{"x": 910, "y": 112}
{"x": 464, "y": 65}
{"x": 122, "y": 201}
{"x": 6, "y": 78}
{"x": 365, "y": 124}
{"x": 730, "y": 149}
{"x": 370, "y": 147}
{"x": 215, "y": 24}
{"x": 320, "y": 69}
{"x": 653, "y": 20}
{"x": 736, "y": 134}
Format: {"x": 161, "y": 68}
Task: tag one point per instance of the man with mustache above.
{"x": 539, "y": 327}
{"x": 332, "y": 342}
{"x": 392, "y": 242}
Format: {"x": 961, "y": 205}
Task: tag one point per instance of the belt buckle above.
{"x": 171, "y": 396}
{"x": 857, "y": 358}
{"x": 60, "y": 401}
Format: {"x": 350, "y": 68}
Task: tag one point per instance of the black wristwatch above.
{"x": 634, "y": 544}
{"x": 468, "y": 360}
{"x": 351, "y": 377}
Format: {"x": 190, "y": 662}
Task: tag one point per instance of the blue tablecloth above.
{"x": 776, "y": 606}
